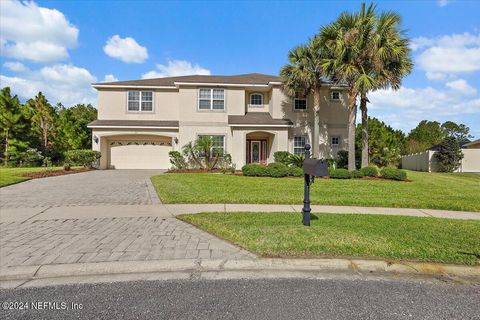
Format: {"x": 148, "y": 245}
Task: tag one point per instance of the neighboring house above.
{"x": 425, "y": 161}
{"x": 247, "y": 115}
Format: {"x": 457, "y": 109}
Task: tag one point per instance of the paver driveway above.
{"x": 100, "y": 187}
{"x": 109, "y": 239}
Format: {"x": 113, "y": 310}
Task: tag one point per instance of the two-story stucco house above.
{"x": 247, "y": 115}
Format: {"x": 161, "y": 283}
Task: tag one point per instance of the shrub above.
{"x": 295, "y": 171}
{"x": 85, "y": 157}
{"x": 277, "y": 170}
{"x": 47, "y": 162}
{"x": 281, "y": 156}
{"x": 342, "y": 159}
{"x": 32, "y": 158}
{"x": 177, "y": 160}
{"x": 66, "y": 166}
{"x": 449, "y": 155}
{"x": 370, "y": 171}
{"x": 254, "y": 170}
{"x": 357, "y": 174}
{"x": 393, "y": 174}
{"x": 340, "y": 174}
{"x": 295, "y": 160}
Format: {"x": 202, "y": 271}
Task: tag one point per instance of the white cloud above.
{"x": 461, "y": 86}
{"x": 448, "y": 56}
{"x": 15, "y": 66}
{"x": 110, "y": 78}
{"x": 126, "y": 49}
{"x": 63, "y": 83}
{"x": 403, "y": 109}
{"x": 442, "y": 3}
{"x": 30, "y": 32}
{"x": 175, "y": 68}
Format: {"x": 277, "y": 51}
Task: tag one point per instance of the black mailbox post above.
{"x": 311, "y": 168}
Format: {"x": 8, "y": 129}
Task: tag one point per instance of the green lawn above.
{"x": 389, "y": 237}
{"x": 452, "y": 191}
{"x": 10, "y": 176}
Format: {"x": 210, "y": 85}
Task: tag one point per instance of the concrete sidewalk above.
{"x": 170, "y": 210}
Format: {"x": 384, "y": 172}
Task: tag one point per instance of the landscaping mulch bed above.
{"x": 53, "y": 173}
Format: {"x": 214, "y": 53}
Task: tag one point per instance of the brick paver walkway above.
{"x": 109, "y": 239}
{"x": 100, "y": 187}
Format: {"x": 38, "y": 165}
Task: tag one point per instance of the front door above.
{"x": 257, "y": 151}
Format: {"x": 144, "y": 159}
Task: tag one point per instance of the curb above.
{"x": 197, "y": 267}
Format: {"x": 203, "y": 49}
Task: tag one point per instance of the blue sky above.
{"x": 60, "y": 47}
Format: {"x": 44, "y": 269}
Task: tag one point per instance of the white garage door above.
{"x": 140, "y": 154}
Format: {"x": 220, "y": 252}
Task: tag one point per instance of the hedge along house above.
{"x": 247, "y": 115}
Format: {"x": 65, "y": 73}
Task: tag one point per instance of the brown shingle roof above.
{"x": 257, "y": 118}
{"x": 250, "y": 78}
{"x": 133, "y": 123}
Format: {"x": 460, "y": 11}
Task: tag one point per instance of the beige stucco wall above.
{"x": 113, "y": 106}
{"x": 333, "y": 119}
{"x": 182, "y": 104}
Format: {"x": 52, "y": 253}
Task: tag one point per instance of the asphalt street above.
{"x": 247, "y": 299}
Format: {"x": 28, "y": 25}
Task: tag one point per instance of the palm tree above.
{"x": 303, "y": 75}
{"x": 10, "y": 116}
{"x": 388, "y": 60}
{"x": 347, "y": 41}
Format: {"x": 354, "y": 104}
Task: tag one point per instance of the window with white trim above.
{"x": 299, "y": 144}
{"x": 335, "y": 95}
{"x": 211, "y": 99}
{"x": 256, "y": 99}
{"x": 218, "y": 143}
{"x": 335, "y": 141}
{"x": 141, "y": 101}
{"x": 300, "y": 103}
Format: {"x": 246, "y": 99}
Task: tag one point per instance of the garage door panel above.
{"x": 139, "y": 154}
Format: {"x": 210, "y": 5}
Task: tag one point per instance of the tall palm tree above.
{"x": 388, "y": 60}
{"x": 347, "y": 41}
{"x": 303, "y": 75}
{"x": 11, "y": 114}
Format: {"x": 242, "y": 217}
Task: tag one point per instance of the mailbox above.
{"x": 316, "y": 168}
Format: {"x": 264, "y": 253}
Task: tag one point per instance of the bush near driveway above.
{"x": 449, "y": 191}
{"x": 390, "y": 237}
{"x": 84, "y": 157}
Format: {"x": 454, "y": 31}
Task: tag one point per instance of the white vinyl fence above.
{"x": 425, "y": 161}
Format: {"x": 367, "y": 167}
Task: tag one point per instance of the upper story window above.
{"x": 335, "y": 140}
{"x": 141, "y": 101}
{"x": 256, "y": 99}
{"x": 335, "y": 95}
{"x": 211, "y": 99}
{"x": 299, "y": 144}
{"x": 300, "y": 103}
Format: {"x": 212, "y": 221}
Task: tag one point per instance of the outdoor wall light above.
{"x": 175, "y": 140}
{"x": 95, "y": 138}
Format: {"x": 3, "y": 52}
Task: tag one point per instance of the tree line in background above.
{"x": 37, "y": 133}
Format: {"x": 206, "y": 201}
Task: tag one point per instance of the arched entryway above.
{"x": 258, "y": 146}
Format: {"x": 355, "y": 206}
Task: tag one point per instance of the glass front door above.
{"x": 255, "y": 151}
